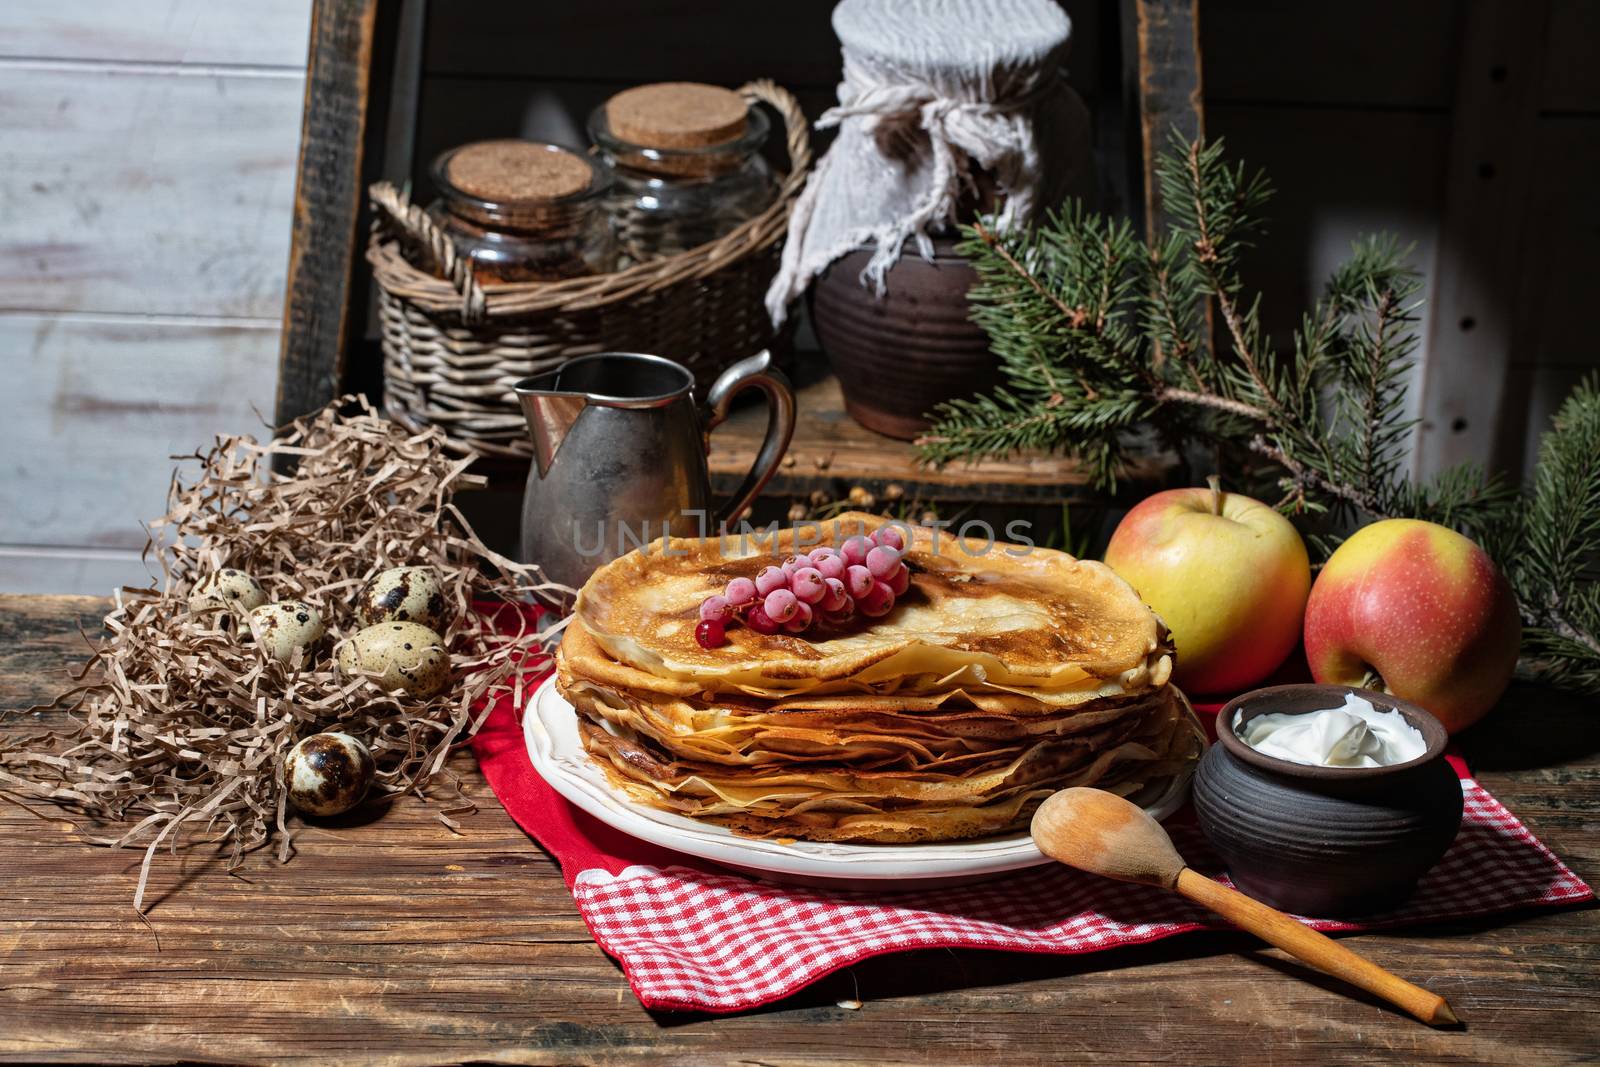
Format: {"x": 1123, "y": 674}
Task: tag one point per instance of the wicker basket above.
{"x": 452, "y": 348}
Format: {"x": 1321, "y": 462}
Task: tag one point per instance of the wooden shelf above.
{"x": 832, "y": 452}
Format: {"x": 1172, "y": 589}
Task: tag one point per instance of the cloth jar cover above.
{"x": 931, "y": 87}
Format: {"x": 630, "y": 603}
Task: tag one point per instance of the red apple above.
{"x": 1423, "y": 607}
{"x": 1227, "y": 574}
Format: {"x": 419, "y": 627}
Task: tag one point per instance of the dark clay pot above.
{"x": 899, "y": 355}
{"x": 1325, "y": 841}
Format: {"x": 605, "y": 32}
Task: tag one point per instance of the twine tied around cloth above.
{"x": 987, "y": 118}
{"x": 997, "y": 134}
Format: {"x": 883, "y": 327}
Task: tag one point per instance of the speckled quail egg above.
{"x": 327, "y": 774}
{"x": 403, "y": 594}
{"x": 406, "y": 656}
{"x": 227, "y": 588}
{"x": 285, "y": 626}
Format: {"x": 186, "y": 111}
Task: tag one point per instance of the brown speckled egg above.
{"x": 403, "y": 594}
{"x": 283, "y": 627}
{"x": 327, "y": 774}
{"x": 228, "y": 588}
{"x": 405, "y": 655}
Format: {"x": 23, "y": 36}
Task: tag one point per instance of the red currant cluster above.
{"x": 831, "y": 585}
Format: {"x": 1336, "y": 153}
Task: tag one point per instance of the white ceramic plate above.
{"x": 550, "y": 726}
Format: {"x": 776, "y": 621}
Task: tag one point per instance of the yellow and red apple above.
{"x": 1227, "y": 574}
{"x": 1423, "y": 607}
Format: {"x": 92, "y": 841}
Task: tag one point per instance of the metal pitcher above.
{"x": 619, "y": 456}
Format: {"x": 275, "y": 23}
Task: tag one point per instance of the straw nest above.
{"x": 182, "y": 723}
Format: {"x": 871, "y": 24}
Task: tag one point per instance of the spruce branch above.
{"x": 1215, "y": 207}
{"x": 1075, "y": 316}
{"x": 1173, "y": 395}
{"x": 1555, "y": 569}
{"x": 1307, "y": 487}
{"x": 1100, "y": 335}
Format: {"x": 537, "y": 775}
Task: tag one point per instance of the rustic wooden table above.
{"x": 395, "y": 941}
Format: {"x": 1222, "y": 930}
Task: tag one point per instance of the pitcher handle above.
{"x": 755, "y": 372}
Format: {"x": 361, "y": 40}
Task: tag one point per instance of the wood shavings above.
{"x": 182, "y": 728}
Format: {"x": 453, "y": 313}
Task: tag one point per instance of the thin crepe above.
{"x": 997, "y": 679}
{"x": 831, "y": 802}
{"x": 581, "y": 656}
{"x": 999, "y": 616}
{"x": 748, "y": 736}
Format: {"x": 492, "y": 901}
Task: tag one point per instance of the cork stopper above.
{"x": 677, "y": 115}
{"x": 508, "y": 171}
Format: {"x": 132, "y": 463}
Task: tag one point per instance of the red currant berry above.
{"x": 769, "y": 579}
{"x": 716, "y": 608}
{"x": 741, "y": 592}
{"x": 882, "y": 561}
{"x": 759, "y": 621}
{"x": 900, "y": 581}
{"x": 877, "y": 602}
{"x": 857, "y": 581}
{"x": 802, "y": 619}
{"x": 711, "y": 633}
{"x": 854, "y": 550}
{"x": 890, "y": 537}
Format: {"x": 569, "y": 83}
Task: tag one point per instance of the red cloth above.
{"x": 691, "y": 936}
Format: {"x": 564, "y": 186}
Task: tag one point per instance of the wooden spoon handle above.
{"x": 1306, "y": 944}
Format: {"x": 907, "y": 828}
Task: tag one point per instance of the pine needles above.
{"x": 1103, "y": 337}
{"x": 1100, "y": 334}
{"x": 1056, "y": 303}
{"x": 1557, "y": 557}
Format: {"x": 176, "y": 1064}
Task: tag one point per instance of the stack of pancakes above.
{"x": 1000, "y": 677}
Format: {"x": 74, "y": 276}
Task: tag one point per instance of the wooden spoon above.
{"x": 1102, "y": 833}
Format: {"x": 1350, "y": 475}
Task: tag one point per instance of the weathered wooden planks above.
{"x": 644, "y": 40}
{"x": 1382, "y": 179}
{"x": 145, "y": 192}
{"x": 105, "y": 403}
{"x": 49, "y": 569}
{"x": 146, "y": 172}
{"x": 262, "y": 33}
{"x": 1483, "y": 237}
{"x": 1571, "y": 77}
{"x": 1167, "y": 79}
{"x": 1554, "y": 291}
{"x": 1322, "y": 54}
{"x": 329, "y": 193}
{"x": 392, "y": 941}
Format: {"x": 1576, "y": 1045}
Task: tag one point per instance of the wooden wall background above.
{"x": 147, "y": 150}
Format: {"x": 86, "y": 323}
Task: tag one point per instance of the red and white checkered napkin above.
{"x": 691, "y": 937}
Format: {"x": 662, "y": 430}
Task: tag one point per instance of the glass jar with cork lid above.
{"x": 525, "y": 211}
{"x": 687, "y": 162}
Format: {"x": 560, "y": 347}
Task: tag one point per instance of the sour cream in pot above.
{"x": 1355, "y": 735}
